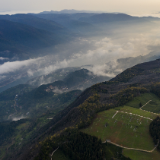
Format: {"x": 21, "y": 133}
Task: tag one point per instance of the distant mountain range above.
{"x": 21, "y": 34}
{"x": 24, "y": 34}
{"x": 66, "y": 11}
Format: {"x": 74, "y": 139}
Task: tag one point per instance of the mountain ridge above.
{"x": 104, "y": 96}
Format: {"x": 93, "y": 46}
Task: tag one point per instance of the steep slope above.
{"x": 133, "y": 82}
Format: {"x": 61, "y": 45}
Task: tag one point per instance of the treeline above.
{"x": 155, "y": 88}
{"x": 88, "y": 110}
{"x": 154, "y": 130}
{"x": 75, "y": 144}
{"x": 83, "y": 115}
{"x": 128, "y": 74}
{"x": 127, "y": 95}
{"x": 81, "y": 146}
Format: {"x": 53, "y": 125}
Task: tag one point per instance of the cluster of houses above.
{"x": 53, "y": 88}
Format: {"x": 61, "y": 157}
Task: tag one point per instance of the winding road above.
{"x": 53, "y": 152}
{"x": 142, "y": 150}
{"x": 145, "y": 104}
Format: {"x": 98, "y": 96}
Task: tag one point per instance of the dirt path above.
{"x": 131, "y": 114}
{"x": 115, "y": 114}
{"x": 132, "y": 148}
{"x": 136, "y": 115}
{"x": 145, "y": 104}
{"x": 148, "y": 111}
{"x": 53, "y": 152}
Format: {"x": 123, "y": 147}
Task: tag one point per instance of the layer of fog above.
{"x": 98, "y": 54}
{"x": 18, "y": 118}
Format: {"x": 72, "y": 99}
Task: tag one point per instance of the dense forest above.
{"x": 79, "y": 146}
{"x": 154, "y": 130}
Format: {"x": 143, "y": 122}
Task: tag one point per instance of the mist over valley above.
{"x": 73, "y": 40}
{"x": 79, "y": 85}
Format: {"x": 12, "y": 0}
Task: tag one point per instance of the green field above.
{"x": 58, "y": 155}
{"x": 128, "y": 126}
{"x": 124, "y": 129}
{"x": 153, "y": 106}
{"x": 137, "y": 155}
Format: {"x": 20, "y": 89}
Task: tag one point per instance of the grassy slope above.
{"x": 136, "y": 155}
{"x": 58, "y": 155}
{"x": 124, "y": 129}
{"x": 153, "y": 106}
{"x": 128, "y": 130}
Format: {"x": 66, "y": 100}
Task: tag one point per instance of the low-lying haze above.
{"x": 97, "y": 51}
{"x": 99, "y": 54}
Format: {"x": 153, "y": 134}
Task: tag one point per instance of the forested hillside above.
{"x": 119, "y": 91}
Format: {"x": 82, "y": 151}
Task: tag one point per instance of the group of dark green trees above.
{"x": 154, "y": 130}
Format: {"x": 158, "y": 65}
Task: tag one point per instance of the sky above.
{"x": 133, "y": 7}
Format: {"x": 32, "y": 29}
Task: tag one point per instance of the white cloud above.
{"x": 18, "y": 118}
{"x": 2, "y": 58}
{"x": 16, "y": 65}
{"x": 101, "y": 53}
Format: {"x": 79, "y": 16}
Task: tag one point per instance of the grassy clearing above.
{"x": 137, "y": 155}
{"x": 58, "y": 155}
{"x": 124, "y": 129}
{"x": 153, "y": 106}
